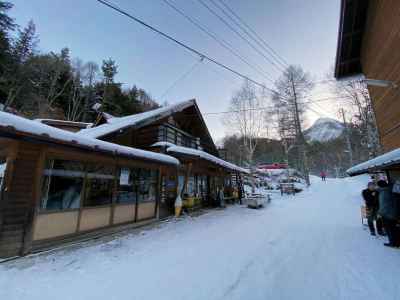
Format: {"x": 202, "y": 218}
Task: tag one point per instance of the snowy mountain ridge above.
{"x": 324, "y": 129}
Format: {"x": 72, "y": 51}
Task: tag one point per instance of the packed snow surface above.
{"x": 324, "y": 129}
{"x": 309, "y": 246}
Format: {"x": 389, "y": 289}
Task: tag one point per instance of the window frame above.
{"x": 39, "y": 209}
{"x": 85, "y": 183}
{"x": 115, "y": 166}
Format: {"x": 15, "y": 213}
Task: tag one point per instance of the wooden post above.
{"x": 114, "y": 192}
{"x": 10, "y": 159}
{"x": 35, "y": 205}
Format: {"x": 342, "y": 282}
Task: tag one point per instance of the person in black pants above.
{"x": 370, "y": 196}
{"x": 388, "y": 211}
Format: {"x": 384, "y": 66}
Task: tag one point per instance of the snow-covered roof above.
{"x": 206, "y": 156}
{"x": 163, "y": 144}
{"x": 109, "y": 117}
{"x": 118, "y": 123}
{"x": 45, "y": 121}
{"x": 379, "y": 162}
{"x": 44, "y": 131}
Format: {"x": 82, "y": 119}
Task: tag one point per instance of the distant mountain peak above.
{"x": 324, "y": 129}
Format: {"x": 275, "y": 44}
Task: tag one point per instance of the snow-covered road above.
{"x": 310, "y": 246}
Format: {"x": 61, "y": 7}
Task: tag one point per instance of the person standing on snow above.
{"x": 370, "y": 196}
{"x": 388, "y": 211}
{"x": 323, "y": 176}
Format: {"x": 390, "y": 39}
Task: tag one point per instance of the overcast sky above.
{"x": 303, "y": 32}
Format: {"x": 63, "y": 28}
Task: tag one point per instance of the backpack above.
{"x": 396, "y": 197}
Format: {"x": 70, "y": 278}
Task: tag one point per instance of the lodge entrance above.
{"x": 168, "y": 196}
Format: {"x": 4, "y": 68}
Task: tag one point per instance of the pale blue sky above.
{"x": 304, "y": 32}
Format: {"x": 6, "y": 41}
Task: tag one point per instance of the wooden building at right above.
{"x": 369, "y": 46}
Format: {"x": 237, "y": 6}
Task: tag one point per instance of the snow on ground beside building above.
{"x": 308, "y": 246}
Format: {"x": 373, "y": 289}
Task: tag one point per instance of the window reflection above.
{"x": 3, "y": 165}
{"x": 99, "y": 185}
{"x": 62, "y": 185}
{"x": 126, "y": 187}
{"x": 137, "y": 185}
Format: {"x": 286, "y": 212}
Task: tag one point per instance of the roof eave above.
{"x": 11, "y": 132}
{"x": 353, "y": 64}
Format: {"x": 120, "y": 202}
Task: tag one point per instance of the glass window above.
{"x": 62, "y": 185}
{"x": 147, "y": 185}
{"x": 137, "y": 185}
{"x": 191, "y": 186}
{"x": 99, "y": 185}
{"x": 127, "y": 186}
{"x": 181, "y": 181}
{"x": 202, "y": 185}
{"x": 3, "y": 165}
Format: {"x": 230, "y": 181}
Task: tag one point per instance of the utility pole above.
{"x": 299, "y": 135}
{"x": 347, "y": 136}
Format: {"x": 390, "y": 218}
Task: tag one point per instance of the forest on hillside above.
{"x": 40, "y": 84}
{"x": 331, "y": 156}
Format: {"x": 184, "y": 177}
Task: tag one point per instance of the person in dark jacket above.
{"x": 388, "y": 212}
{"x": 370, "y": 196}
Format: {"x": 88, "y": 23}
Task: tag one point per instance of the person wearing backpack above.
{"x": 370, "y": 196}
{"x": 388, "y": 210}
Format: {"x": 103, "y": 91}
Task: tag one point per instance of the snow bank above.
{"x": 42, "y": 130}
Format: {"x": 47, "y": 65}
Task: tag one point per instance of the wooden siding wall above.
{"x": 380, "y": 59}
{"x": 19, "y": 200}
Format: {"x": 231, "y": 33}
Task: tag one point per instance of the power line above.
{"x": 272, "y": 107}
{"x": 183, "y": 76}
{"x": 239, "y": 34}
{"x": 324, "y": 99}
{"x": 219, "y": 40}
{"x": 222, "y": 75}
{"x": 254, "y": 36}
{"x": 254, "y": 32}
{"x": 189, "y": 48}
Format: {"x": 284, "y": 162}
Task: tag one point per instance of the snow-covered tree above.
{"x": 248, "y": 118}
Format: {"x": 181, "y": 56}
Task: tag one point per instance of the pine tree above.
{"x": 6, "y": 26}
{"x": 18, "y": 74}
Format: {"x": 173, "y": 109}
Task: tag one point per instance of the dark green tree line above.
{"x": 54, "y": 85}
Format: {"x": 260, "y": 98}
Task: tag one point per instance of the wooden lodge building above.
{"x": 63, "y": 181}
{"x": 369, "y": 45}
